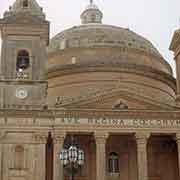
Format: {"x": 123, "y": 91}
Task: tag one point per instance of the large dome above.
{"x": 102, "y": 66}
{"x": 91, "y": 35}
{"x": 98, "y": 36}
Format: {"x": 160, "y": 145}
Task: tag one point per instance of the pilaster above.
{"x": 58, "y": 139}
{"x": 100, "y": 138}
{"x": 177, "y": 59}
{"x": 142, "y": 164}
{"x": 41, "y": 140}
{"x": 175, "y": 47}
{"x": 2, "y": 134}
{"x": 177, "y": 139}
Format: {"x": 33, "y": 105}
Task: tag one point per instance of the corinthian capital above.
{"x": 142, "y": 137}
{"x": 101, "y": 137}
{"x": 177, "y": 138}
{"x": 41, "y": 137}
{"x": 58, "y": 137}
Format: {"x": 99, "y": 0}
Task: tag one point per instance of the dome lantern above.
{"x": 91, "y": 14}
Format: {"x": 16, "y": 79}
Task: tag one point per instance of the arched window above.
{"x": 93, "y": 17}
{"x": 113, "y": 162}
{"x": 25, "y": 3}
{"x": 23, "y": 60}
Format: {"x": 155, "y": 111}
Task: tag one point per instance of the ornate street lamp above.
{"x": 72, "y": 159}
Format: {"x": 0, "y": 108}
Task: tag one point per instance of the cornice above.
{"x": 77, "y": 113}
{"x": 175, "y": 41}
{"x": 19, "y": 81}
{"x": 109, "y": 67}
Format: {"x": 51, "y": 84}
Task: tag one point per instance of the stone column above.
{"x": 100, "y": 139}
{"x": 177, "y": 139}
{"x": 58, "y": 140}
{"x": 141, "y": 141}
{"x": 1, "y": 160}
{"x": 2, "y": 135}
{"x": 177, "y": 59}
{"x": 41, "y": 140}
{"x": 175, "y": 47}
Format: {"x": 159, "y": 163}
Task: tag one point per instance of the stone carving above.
{"x": 101, "y": 137}
{"x": 142, "y": 139}
{"x": 41, "y": 138}
{"x": 120, "y": 105}
{"x": 59, "y": 101}
{"x": 58, "y": 137}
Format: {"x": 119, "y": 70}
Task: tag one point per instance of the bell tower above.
{"x": 25, "y": 36}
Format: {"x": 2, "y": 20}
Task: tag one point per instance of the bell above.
{"x": 23, "y": 63}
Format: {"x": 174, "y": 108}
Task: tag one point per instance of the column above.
{"x": 2, "y": 135}
{"x": 141, "y": 141}
{"x": 100, "y": 139}
{"x": 58, "y": 140}
{"x": 176, "y": 49}
{"x": 1, "y": 161}
{"x": 177, "y": 138}
{"x": 177, "y": 59}
{"x": 40, "y": 150}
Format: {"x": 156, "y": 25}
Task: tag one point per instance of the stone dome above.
{"x": 96, "y": 35}
{"x": 92, "y": 35}
{"x": 97, "y": 66}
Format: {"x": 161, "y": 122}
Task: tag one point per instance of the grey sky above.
{"x": 156, "y": 20}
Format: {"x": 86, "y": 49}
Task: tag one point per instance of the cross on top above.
{"x": 91, "y": 1}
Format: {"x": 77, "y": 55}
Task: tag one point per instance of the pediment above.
{"x": 119, "y": 100}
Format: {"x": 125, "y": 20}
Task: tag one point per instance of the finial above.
{"x": 91, "y": 1}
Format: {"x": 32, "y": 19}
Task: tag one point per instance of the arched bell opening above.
{"x": 23, "y": 60}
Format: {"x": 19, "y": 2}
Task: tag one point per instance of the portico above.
{"x": 112, "y": 151}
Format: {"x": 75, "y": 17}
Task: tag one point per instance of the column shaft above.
{"x": 177, "y": 138}
{"x": 1, "y": 161}
{"x": 42, "y": 161}
{"x": 101, "y": 156}
{"x": 40, "y": 151}
{"x": 58, "y": 167}
{"x": 141, "y": 140}
{"x": 178, "y": 74}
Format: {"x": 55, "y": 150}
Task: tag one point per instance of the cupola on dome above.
{"x": 91, "y": 14}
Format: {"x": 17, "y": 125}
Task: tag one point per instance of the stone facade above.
{"x": 105, "y": 85}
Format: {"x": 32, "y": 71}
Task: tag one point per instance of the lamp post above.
{"x": 72, "y": 158}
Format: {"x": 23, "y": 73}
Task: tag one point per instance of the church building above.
{"x": 103, "y": 88}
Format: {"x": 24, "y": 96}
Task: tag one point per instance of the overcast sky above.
{"x": 156, "y": 20}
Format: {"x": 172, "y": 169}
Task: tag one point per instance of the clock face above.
{"x": 21, "y": 93}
